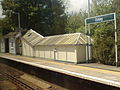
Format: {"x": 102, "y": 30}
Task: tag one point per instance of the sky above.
{"x": 0, "y": 9}
{"x": 1, "y": 16}
{"x": 75, "y": 6}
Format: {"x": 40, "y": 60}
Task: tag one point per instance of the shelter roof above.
{"x": 32, "y": 37}
{"x": 36, "y": 39}
{"x": 11, "y": 34}
{"x": 65, "y": 39}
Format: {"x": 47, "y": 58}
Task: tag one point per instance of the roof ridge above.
{"x": 77, "y": 40}
{"x": 36, "y": 33}
{"x": 63, "y": 34}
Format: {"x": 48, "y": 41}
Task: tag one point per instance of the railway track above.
{"x": 22, "y": 84}
{"x": 14, "y": 77}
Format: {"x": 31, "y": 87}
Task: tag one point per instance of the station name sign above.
{"x": 102, "y": 18}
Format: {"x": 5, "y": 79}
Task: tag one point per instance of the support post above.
{"x": 116, "y": 53}
{"x": 86, "y": 42}
{"x": 89, "y": 33}
{"x": 89, "y": 42}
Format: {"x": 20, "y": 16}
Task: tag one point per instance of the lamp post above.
{"x": 88, "y": 8}
{"x": 19, "y": 20}
{"x": 19, "y": 24}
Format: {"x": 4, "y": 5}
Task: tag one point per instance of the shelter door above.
{"x": 6, "y": 45}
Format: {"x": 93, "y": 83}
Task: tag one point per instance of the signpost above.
{"x": 100, "y": 19}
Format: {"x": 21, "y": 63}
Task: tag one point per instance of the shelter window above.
{"x": 29, "y": 34}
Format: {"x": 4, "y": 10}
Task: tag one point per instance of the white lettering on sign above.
{"x": 98, "y": 19}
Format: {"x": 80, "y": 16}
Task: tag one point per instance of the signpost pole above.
{"x": 89, "y": 38}
{"x": 116, "y": 53}
{"x": 86, "y": 42}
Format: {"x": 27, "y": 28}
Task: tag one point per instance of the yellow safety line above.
{"x": 74, "y": 66}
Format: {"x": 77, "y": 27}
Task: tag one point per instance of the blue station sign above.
{"x": 102, "y": 18}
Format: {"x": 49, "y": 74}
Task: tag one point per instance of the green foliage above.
{"x": 6, "y": 26}
{"x": 47, "y": 17}
{"x": 103, "y": 47}
{"x": 75, "y": 22}
{"x": 104, "y": 44}
{"x": 102, "y": 33}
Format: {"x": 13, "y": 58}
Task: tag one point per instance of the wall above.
{"x": 68, "y": 53}
{"x": 62, "y": 53}
{"x": 71, "y": 54}
{"x": 2, "y": 45}
{"x": 43, "y": 52}
{"x": 27, "y": 50}
{"x": 81, "y": 53}
{"x": 47, "y": 51}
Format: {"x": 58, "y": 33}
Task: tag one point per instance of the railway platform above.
{"x": 108, "y": 75}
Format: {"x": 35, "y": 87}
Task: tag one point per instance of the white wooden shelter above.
{"x": 66, "y": 47}
{"x": 9, "y": 43}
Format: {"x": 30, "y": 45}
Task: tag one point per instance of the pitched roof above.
{"x": 65, "y": 39}
{"x": 11, "y": 34}
{"x": 36, "y": 39}
{"x": 32, "y": 37}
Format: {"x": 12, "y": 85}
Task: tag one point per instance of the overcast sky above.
{"x": 75, "y": 6}
{"x": 0, "y": 9}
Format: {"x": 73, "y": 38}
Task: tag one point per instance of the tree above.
{"x": 47, "y": 17}
{"x": 75, "y": 22}
{"x": 102, "y": 33}
{"x": 104, "y": 44}
{"x": 6, "y": 26}
{"x": 103, "y": 47}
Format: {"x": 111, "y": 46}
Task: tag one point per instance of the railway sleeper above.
{"x": 24, "y": 84}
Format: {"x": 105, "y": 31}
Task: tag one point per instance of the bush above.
{"x": 103, "y": 48}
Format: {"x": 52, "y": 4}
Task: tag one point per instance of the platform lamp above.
{"x": 19, "y": 24}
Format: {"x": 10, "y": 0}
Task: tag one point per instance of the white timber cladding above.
{"x": 53, "y": 51}
{"x": 47, "y": 52}
{"x": 3, "y": 45}
{"x": 62, "y": 53}
{"x": 23, "y": 48}
{"x": 27, "y": 50}
{"x": 36, "y": 52}
{"x": 81, "y": 53}
{"x": 71, "y": 54}
{"x": 67, "y": 47}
